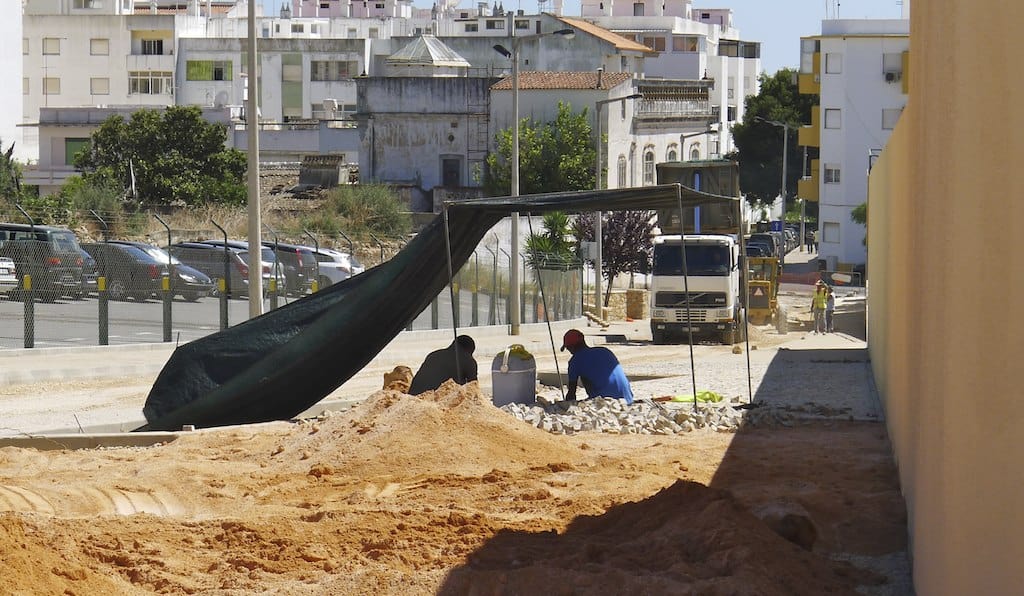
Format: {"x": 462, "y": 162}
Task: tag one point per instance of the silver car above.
{"x": 335, "y": 265}
{"x": 8, "y": 279}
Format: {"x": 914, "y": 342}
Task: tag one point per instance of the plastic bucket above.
{"x": 514, "y": 377}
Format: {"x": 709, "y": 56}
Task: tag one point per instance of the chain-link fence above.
{"x": 62, "y": 292}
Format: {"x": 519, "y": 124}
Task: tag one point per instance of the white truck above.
{"x": 713, "y": 280}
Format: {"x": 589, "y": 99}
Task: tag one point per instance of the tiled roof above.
{"x": 620, "y": 42}
{"x": 535, "y": 79}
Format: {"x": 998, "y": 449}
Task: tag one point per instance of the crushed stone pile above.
{"x": 611, "y": 415}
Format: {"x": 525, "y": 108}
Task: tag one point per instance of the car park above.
{"x": 137, "y": 270}
{"x": 334, "y": 265}
{"x": 90, "y": 274}
{"x": 48, "y": 255}
{"x": 8, "y": 278}
{"x": 210, "y": 260}
{"x": 299, "y": 266}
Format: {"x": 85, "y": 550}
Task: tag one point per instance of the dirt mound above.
{"x": 453, "y": 429}
{"x": 686, "y": 539}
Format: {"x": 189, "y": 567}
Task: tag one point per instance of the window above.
{"x": 51, "y": 46}
{"x": 890, "y": 117}
{"x": 24, "y": 86}
{"x": 649, "y": 166}
{"x": 620, "y": 172}
{"x": 324, "y": 5}
{"x": 379, "y": 5}
{"x": 51, "y": 86}
{"x": 374, "y": 33}
{"x": 24, "y": 46}
{"x": 152, "y": 47}
{"x": 99, "y": 86}
{"x": 522, "y": 24}
{"x": 714, "y": 149}
{"x": 208, "y": 70}
{"x": 892, "y": 62}
{"x": 831, "y": 173}
{"x": 833, "y": 63}
{"x": 471, "y": 27}
{"x": 99, "y": 47}
{"x": 833, "y": 118}
{"x": 353, "y": 33}
{"x": 72, "y": 147}
{"x": 88, "y": 4}
{"x": 638, "y": 9}
{"x": 684, "y": 43}
{"x": 298, "y": 28}
{"x": 830, "y": 232}
{"x": 150, "y": 83}
{"x": 673, "y": 153}
{"x": 655, "y": 43}
{"x": 332, "y": 70}
{"x": 495, "y": 24}
{"x": 314, "y": 28}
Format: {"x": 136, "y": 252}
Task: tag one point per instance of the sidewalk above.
{"x": 800, "y": 268}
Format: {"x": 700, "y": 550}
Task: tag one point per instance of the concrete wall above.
{"x": 945, "y": 333}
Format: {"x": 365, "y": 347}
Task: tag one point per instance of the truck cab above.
{"x": 712, "y": 276}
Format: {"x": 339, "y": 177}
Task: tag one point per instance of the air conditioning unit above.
{"x": 330, "y": 105}
{"x": 891, "y": 76}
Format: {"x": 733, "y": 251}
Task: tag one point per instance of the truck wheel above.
{"x": 658, "y": 337}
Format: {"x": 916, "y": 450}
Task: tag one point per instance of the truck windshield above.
{"x": 701, "y": 259}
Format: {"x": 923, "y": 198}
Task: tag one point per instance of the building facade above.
{"x": 857, "y": 68}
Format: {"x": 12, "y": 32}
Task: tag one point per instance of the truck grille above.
{"x": 697, "y": 315}
{"x": 697, "y": 300}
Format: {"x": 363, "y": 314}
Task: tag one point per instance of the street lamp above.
{"x": 785, "y": 126}
{"x": 513, "y": 277}
{"x": 598, "y": 262}
{"x": 252, "y": 125}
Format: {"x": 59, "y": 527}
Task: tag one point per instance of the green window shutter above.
{"x": 199, "y": 70}
{"x": 72, "y": 147}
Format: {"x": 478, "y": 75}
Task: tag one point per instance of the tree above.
{"x": 759, "y": 144}
{"x": 174, "y": 156}
{"x": 625, "y": 242}
{"x": 552, "y": 248}
{"x": 10, "y": 175}
{"x": 556, "y": 156}
{"x": 860, "y": 215}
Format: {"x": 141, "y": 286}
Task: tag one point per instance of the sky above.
{"x": 777, "y": 24}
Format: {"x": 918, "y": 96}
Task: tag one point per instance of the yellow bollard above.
{"x": 27, "y": 282}
{"x": 314, "y": 286}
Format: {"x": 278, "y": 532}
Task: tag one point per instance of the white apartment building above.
{"x": 859, "y": 69}
{"x": 11, "y": 97}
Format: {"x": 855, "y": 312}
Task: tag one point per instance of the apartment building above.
{"x": 11, "y": 98}
{"x": 858, "y": 69}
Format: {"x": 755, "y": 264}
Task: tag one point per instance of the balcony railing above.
{"x": 669, "y": 109}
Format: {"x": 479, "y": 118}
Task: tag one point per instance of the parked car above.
{"x": 270, "y": 264}
{"x": 50, "y": 255}
{"x": 90, "y": 273}
{"x": 299, "y": 266}
{"x": 8, "y": 278}
{"x": 137, "y": 270}
{"x": 210, "y": 260}
{"x": 335, "y": 265}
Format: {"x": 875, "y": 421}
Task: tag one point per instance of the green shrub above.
{"x": 369, "y": 208}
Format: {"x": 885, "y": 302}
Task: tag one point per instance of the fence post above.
{"x": 104, "y": 305}
{"x": 273, "y": 290}
{"x": 434, "y": 313}
{"x": 222, "y": 298}
{"x": 475, "y": 297}
{"x": 168, "y": 299}
{"x": 30, "y": 311}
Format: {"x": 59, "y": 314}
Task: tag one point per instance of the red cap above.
{"x": 572, "y": 339}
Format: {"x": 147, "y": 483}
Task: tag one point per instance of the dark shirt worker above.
{"x": 596, "y": 368}
{"x": 440, "y": 365}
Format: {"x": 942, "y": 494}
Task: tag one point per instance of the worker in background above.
{"x": 830, "y": 309}
{"x": 596, "y": 368}
{"x": 818, "y": 303}
{"x": 454, "y": 362}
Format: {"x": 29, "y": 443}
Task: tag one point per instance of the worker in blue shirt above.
{"x": 596, "y": 368}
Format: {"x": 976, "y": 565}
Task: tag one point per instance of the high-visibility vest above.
{"x": 819, "y": 299}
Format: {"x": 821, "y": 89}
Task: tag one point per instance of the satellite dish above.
{"x": 221, "y": 99}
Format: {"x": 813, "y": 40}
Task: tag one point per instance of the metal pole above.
{"x": 686, "y": 291}
{"x": 803, "y": 203}
{"x": 315, "y": 286}
{"x": 252, "y": 130}
{"x": 168, "y": 287}
{"x": 598, "y": 232}
{"x": 785, "y": 152}
{"x": 225, "y": 285}
{"x": 513, "y": 275}
{"x": 451, "y": 294}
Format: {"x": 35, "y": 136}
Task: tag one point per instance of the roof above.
{"x": 427, "y": 50}
{"x": 620, "y": 42}
{"x": 536, "y": 79}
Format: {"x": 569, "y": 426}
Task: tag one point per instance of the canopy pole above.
{"x": 745, "y": 295}
{"x": 451, "y": 289}
{"x": 686, "y": 290}
{"x": 547, "y": 319}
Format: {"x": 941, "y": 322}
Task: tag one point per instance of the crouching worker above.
{"x": 596, "y": 368}
{"x": 454, "y": 362}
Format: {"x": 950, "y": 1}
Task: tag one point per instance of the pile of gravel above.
{"x": 612, "y": 415}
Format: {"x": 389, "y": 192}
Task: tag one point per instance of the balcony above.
{"x": 807, "y": 188}
{"x": 810, "y": 136}
{"x": 160, "y": 62}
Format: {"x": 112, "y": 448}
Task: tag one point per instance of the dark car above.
{"x": 299, "y": 266}
{"x": 89, "y": 274}
{"x": 210, "y": 260}
{"x": 137, "y": 270}
{"x": 49, "y": 255}
{"x": 268, "y": 260}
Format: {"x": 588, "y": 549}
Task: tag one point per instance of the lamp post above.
{"x": 513, "y": 276}
{"x": 785, "y": 126}
{"x": 252, "y": 123}
{"x": 598, "y": 232}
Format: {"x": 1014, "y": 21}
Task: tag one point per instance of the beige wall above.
{"x": 946, "y": 333}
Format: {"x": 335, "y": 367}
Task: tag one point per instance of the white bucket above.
{"x": 514, "y": 377}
